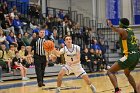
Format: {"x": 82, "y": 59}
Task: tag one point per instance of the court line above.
{"x": 26, "y": 83}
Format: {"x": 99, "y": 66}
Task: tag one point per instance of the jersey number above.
{"x": 133, "y": 39}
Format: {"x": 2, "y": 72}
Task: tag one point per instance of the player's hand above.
{"x": 109, "y": 23}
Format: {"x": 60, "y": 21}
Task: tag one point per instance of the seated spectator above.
{"x": 7, "y": 25}
{"x": 11, "y": 52}
{"x": 29, "y": 56}
{"x": 23, "y": 57}
{"x": 99, "y": 60}
{"x": 20, "y": 41}
{"x": 36, "y": 30}
{"x": 60, "y": 14}
{"x": 26, "y": 39}
{"x": 3, "y": 39}
{"x": 17, "y": 25}
{"x": 17, "y": 64}
{"x": 2, "y": 62}
{"x": 93, "y": 57}
{"x": 22, "y": 52}
{"x": 86, "y": 60}
{"x": 6, "y": 58}
{"x": 11, "y": 39}
{"x": 34, "y": 35}
{"x": 96, "y": 46}
{"x": 1, "y": 15}
{"x": 48, "y": 34}
{"x": 1, "y": 74}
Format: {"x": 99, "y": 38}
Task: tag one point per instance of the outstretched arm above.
{"x": 115, "y": 29}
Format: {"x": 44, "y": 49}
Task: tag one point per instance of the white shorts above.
{"x": 76, "y": 69}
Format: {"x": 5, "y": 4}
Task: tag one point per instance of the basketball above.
{"x": 48, "y": 45}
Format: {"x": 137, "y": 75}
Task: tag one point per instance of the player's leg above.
{"x": 80, "y": 72}
{"x": 59, "y": 79}
{"x": 130, "y": 79}
{"x": 111, "y": 73}
{"x": 138, "y": 88}
{"x": 87, "y": 80}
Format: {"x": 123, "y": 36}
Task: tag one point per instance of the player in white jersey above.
{"x": 72, "y": 57}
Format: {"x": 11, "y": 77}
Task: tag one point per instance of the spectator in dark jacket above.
{"x": 86, "y": 60}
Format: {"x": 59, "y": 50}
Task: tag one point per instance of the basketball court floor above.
{"x": 71, "y": 84}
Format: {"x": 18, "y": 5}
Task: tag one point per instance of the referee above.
{"x": 39, "y": 56}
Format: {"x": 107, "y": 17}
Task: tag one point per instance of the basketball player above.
{"x": 130, "y": 53}
{"x": 72, "y": 57}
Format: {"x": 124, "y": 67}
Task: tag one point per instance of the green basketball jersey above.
{"x": 130, "y": 44}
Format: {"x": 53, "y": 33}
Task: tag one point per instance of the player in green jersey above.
{"x": 130, "y": 53}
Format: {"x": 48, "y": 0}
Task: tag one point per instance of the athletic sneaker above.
{"x": 25, "y": 78}
{"x": 93, "y": 89}
{"x": 57, "y": 90}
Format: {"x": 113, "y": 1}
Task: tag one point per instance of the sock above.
{"x": 117, "y": 89}
{"x": 58, "y": 88}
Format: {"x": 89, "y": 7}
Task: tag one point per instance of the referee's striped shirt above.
{"x": 37, "y": 45}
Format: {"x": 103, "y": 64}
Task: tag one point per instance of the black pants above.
{"x": 40, "y": 64}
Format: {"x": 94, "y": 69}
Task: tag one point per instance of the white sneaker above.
{"x": 25, "y": 78}
{"x": 57, "y": 90}
{"x": 93, "y": 89}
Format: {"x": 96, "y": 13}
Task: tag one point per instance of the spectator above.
{"x": 2, "y": 62}
{"x": 17, "y": 64}
{"x": 1, "y": 15}
{"x": 99, "y": 60}
{"x": 34, "y": 35}
{"x": 7, "y": 25}
{"x": 86, "y": 60}
{"x": 93, "y": 58}
{"x": 6, "y": 58}
{"x": 26, "y": 39}
{"x": 29, "y": 56}
{"x": 17, "y": 25}
{"x": 20, "y": 41}
{"x": 103, "y": 49}
{"x": 11, "y": 39}
{"x": 3, "y": 39}
{"x": 11, "y": 52}
{"x": 61, "y": 14}
{"x": 96, "y": 46}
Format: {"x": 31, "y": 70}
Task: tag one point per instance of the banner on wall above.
{"x": 136, "y": 7}
{"x": 113, "y": 11}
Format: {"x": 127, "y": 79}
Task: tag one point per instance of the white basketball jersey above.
{"x": 70, "y": 53}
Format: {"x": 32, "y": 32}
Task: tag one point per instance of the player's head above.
{"x": 124, "y": 23}
{"x": 68, "y": 39}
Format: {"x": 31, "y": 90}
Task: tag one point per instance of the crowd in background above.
{"x": 15, "y": 39}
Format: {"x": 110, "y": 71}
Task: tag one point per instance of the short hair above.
{"x": 66, "y": 37}
{"x": 124, "y": 22}
{"x": 16, "y": 52}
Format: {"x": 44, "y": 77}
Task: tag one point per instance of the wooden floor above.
{"x": 71, "y": 84}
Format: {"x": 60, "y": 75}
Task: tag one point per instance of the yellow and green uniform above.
{"x": 129, "y": 49}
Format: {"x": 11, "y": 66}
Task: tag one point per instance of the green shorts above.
{"x": 130, "y": 62}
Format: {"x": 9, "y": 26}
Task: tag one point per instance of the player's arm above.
{"x": 58, "y": 53}
{"x": 123, "y": 34}
{"x": 115, "y": 29}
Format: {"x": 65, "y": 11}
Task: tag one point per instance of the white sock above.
{"x": 91, "y": 85}
{"x": 58, "y": 88}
